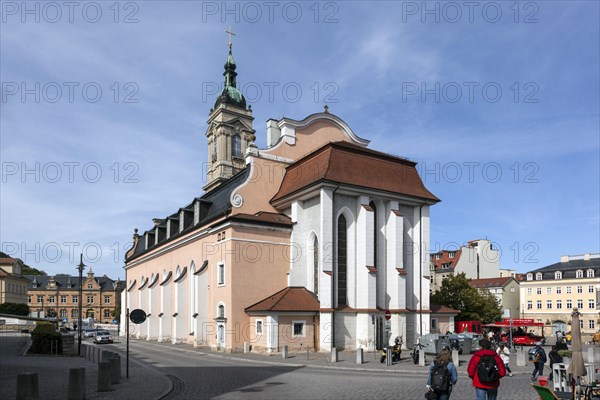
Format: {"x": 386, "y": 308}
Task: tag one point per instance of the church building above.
{"x": 311, "y": 242}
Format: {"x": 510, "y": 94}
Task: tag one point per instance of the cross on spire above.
{"x": 230, "y": 32}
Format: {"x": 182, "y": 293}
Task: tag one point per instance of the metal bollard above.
{"x": 334, "y": 354}
{"x": 455, "y": 358}
{"x": 76, "y": 384}
{"x": 388, "y": 356}
{"x": 246, "y": 347}
{"x": 359, "y": 356}
{"x": 307, "y": 353}
{"x": 104, "y": 376}
{"x": 28, "y": 387}
{"x": 284, "y": 352}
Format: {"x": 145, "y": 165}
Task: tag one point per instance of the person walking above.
{"x": 539, "y": 359}
{"x": 554, "y": 358}
{"x": 442, "y": 375}
{"x": 504, "y": 354}
{"x": 486, "y": 368}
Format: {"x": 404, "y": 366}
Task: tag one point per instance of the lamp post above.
{"x": 80, "y": 268}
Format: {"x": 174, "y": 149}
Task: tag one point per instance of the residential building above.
{"x": 13, "y": 286}
{"x": 506, "y": 291}
{"x": 478, "y": 259}
{"x": 549, "y": 294}
{"x": 58, "y": 297}
{"x": 304, "y": 243}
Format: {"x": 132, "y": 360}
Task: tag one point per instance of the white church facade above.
{"x": 305, "y": 243}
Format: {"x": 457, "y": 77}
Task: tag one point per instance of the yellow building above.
{"x": 13, "y": 286}
{"x": 550, "y": 294}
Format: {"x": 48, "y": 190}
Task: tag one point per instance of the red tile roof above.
{"x": 7, "y": 261}
{"x": 445, "y": 258}
{"x": 289, "y": 299}
{"x": 439, "y": 309}
{"x": 490, "y": 282}
{"x": 345, "y": 163}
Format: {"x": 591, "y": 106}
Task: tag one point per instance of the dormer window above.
{"x": 451, "y": 254}
{"x": 579, "y": 274}
{"x": 538, "y": 276}
{"x": 529, "y": 277}
{"x": 438, "y": 256}
{"x": 590, "y": 273}
{"x": 558, "y": 275}
{"x": 90, "y": 286}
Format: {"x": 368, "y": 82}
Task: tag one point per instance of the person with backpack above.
{"x": 539, "y": 359}
{"x": 442, "y": 375}
{"x": 486, "y": 368}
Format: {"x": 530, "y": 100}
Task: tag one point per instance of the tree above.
{"x": 116, "y": 313}
{"x": 14, "y": 308}
{"x": 457, "y": 293}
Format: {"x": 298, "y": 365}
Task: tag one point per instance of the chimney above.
{"x": 564, "y": 259}
{"x": 273, "y": 132}
{"x": 586, "y": 257}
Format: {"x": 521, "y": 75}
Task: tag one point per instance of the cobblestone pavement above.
{"x": 173, "y": 372}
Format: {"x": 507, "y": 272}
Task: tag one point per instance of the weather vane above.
{"x": 230, "y": 32}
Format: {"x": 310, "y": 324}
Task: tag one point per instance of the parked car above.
{"x": 103, "y": 337}
{"x": 89, "y": 333}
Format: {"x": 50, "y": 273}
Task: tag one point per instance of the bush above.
{"x": 565, "y": 353}
{"x": 42, "y": 336}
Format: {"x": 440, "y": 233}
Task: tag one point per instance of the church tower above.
{"x": 229, "y": 129}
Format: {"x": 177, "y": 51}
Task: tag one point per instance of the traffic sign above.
{"x": 137, "y": 316}
{"x": 388, "y": 314}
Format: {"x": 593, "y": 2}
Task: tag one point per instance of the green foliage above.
{"x": 41, "y": 337}
{"x": 457, "y": 293}
{"x": 14, "y": 308}
{"x": 116, "y": 313}
{"x": 27, "y": 270}
{"x": 565, "y": 353}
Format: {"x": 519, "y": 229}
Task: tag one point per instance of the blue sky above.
{"x": 104, "y": 109}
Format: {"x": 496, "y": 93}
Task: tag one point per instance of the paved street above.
{"x": 175, "y": 372}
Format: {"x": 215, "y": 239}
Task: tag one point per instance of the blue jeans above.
{"x": 486, "y": 394}
{"x": 443, "y": 395}
{"x": 538, "y": 370}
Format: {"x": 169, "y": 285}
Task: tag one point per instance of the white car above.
{"x": 89, "y": 333}
{"x": 103, "y": 337}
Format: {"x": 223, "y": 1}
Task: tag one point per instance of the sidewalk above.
{"x": 53, "y": 374}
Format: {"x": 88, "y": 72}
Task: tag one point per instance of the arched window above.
{"x": 372, "y": 205}
{"x": 214, "y": 153}
{"x": 236, "y": 146}
{"x": 221, "y": 311}
{"x": 538, "y": 276}
{"x": 579, "y": 274}
{"x": 316, "y": 266}
{"x": 342, "y": 260}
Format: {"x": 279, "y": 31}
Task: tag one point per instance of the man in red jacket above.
{"x": 485, "y": 369}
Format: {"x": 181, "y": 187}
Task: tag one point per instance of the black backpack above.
{"x": 487, "y": 369}
{"x": 440, "y": 377}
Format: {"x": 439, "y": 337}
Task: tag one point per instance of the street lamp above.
{"x": 80, "y": 268}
